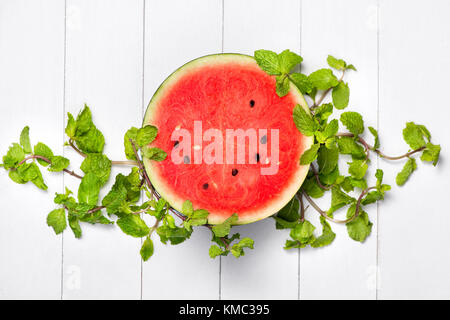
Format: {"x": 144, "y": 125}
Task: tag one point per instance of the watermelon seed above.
{"x": 252, "y": 103}
{"x": 176, "y": 144}
{"x": 205, "y": 186}
{"x": 186, "y": 160}
{"x": 257, "y": 157}
{"x": 234, "y": 172}
{"x": 263, "y": 139}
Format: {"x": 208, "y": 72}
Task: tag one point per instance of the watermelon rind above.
{"x": 174, "y": 200}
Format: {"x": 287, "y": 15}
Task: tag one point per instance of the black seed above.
{"x": 205, "y": 186}
{"x": 252, "y": 103}
{"x": 263, "y": 139}
{"x": 176, "y": 144}
{"x": 234, "y": 172}
{"x": 257, "y": 157}
{"x": 186, "y": 160}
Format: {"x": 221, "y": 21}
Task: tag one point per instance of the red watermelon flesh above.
{"x": 226, "y": 92}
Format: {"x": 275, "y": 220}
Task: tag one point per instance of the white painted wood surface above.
{"x": 56, "y": 55}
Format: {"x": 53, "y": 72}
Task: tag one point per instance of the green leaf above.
{"x": 358, "y": 169}
{"x": 155, "y": 154}
{"x": 125, "y": 189}
{"x": 91, "y": 142}
{"x": 25, "y": 140}
{"x": 331, "y": 177}
{"x": 341, "y": 95}
{"x": 301, "y": 81}
{"x": 310, "y": 155}
{"x": 327, "y": 159}
{"x": 147, "y": 249}
{"x": 187, "y": 209}
{"x": 323, "y": 79}
{"x": 268, "y": 61}
{"x": 379, "y": 175}
{"x": 15, "y": 176}
{"x": 130, "y": 134}
{"x": 31, "y": 172}
{"x": 372, "y": 197}
{"x": 374, "y": 132}
{"x": 74, "y": 225}
{"x": 288, "y": 214}
{"x": 71, "y": 126}
{"x": 353, "y": 121}
{"x": 414, "y": 135}
{"x": 331, "y": 129}
{"x": 223, "y": 229}
{"x": 215, "y": 251}
{"x": 146, "y": 135}
{"x": 311, "y": 188}
{"x": 288, "y": 60}
{"x": 360, "y": 228}
{"x": 327, "y": 236}
{"x": 337, "y": 64}
{"x": 14, "y": 156}
{"x": 98, "y": 164}
{"x": 57, "y": 220}
{"x": 133, "y": 225}
{"x": 89, "y": 189}
{"x": 282, "y": 85}
{"x": 174, "y": 235}
{"x": 403, "y": 176}
{"x": 58, "y": 164}
{"x": 44, "y": 151}
{"x": 431, "y": 153}
{"x": 84, "y": 121}
{"x": 238, "y": 249}
{"x": 324, "y": 111}
{"x": 339, "y": 199}
{"x": 303, "y": 232}
{"x": 348, "y": 145}
{"x": 303, "y": 121}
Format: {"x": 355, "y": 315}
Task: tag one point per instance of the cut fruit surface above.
{"x": 214, "y": 94}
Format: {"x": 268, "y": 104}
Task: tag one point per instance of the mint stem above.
{"x": 72, "y": 173}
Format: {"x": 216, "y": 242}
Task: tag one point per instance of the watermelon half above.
{"x": 226, "y": 91}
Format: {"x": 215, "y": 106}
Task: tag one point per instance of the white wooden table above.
{"x": 56, "y": 55}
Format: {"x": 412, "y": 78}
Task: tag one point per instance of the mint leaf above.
{"x": 413, "y": 135}
{"x": 14, "y": 156}
{"x": 403, "y": 176}
{"x": 282, "y": 85}
{"x": 223, "y": 229}
{"x": 15, "y": 176}
{"x": 353, "y": 121}
{"x": 215, "y": 251}
{"x": 288, "y": 60}
{"x": 431, "y": 153}
{"x": 310, "y": 155}
{"x": 301, "y": 81}
{"x": 155, "y": 154}
{"x": 71, "y": 127}
{"x": 337, "y": 64}
{"x": 304, "y": 121}
{"x": 74, "y": 225}
{"x": 174, "y": 235}
{"x": 323, "y": 79}
{"x": 187, "y": 208}
{"x": 268, "y": 61}
{"x": 324, "y": 111}
{"x": 327, "y": 159}
{"x": 360, "y": 228}
{"x": 327, "y": 236}
{"x": 147, "y": 249}
{"x": 339, "y": 199}
{"x": 58, "y": 164}
{"x": 31, "y": 172}
{"x": 341, "y": 95}
{"x": 146, "y": 135}
{"x": 57, "y": 220}
{"x": 98, "y": 164}
{"x": 25, "y": 140}
{"x": 374, "y": 132}
{"x": 287, "y": 217}
{"x": 44, "y": 151}
{"x": 311, "y": 188}
{"x": 91, "y": 142}
{"x": 238, "y": 249}
{"x": 303, "y": 232}
{"x": 133, "y": 225}
{"x": 130, "y": 134}
{"x": 358, "y": 169}
{"x": 89, "y": 189}
{"x": 348, "y": 145}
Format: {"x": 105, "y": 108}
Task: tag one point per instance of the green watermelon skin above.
{"x": 226, "y": 91}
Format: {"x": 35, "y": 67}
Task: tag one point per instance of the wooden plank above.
{"x": 31, "y": 93}
{"x": 177, "y": 31}
{"x": 348, "y": 30}
{"x": 104, "y": 70}
{"x": 268, "y": 271}
{"x": 414, "y": 50}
